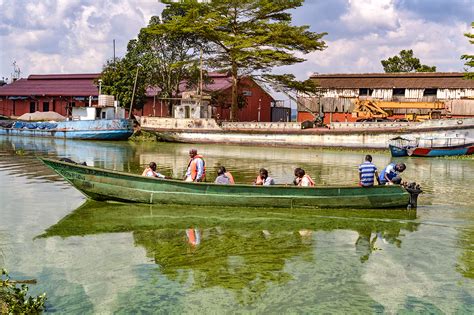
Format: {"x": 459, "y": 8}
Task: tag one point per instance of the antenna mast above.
{"x": 16, "y": 71}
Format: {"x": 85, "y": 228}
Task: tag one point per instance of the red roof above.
{"x": 53, "y": 85}
{"x": 218, "y": 82}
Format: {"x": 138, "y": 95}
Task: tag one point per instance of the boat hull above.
{"x": 100, "y": 184}
{"x": 435, "y": 152}
{"x": 397, "y": 151}
{"x": 113, "y": 129}
{"x": 339, "y": 135}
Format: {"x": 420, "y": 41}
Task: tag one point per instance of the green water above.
{"x": 91, "y": 257}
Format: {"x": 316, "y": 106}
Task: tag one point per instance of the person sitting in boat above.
{"x": 390, "y": 174}
{"x": 196, "y": 167}
{"x": 224, "y": 177}
{"x": 150, "y": 171}
{"x": 302, "y": 179}
{"x": 263, "y": 179}
{"x": 367, "y": 172}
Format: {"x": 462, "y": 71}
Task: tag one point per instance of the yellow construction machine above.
{"x": 380, "y": 110}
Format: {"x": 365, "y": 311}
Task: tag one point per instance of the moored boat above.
{"x": 431, "y": 147}
{"x": 101, "y": 184}
{"x": 100, "y": 129}
{"x": 374, "y": 135}
{"x": 104, "y": 121}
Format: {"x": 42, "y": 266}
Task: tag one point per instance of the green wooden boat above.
{"x": 101, "y": 184}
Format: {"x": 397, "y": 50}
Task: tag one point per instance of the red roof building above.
{"x": 52, "y": 92}
{"x": 61, "y": 92}
{"x": 257, "y": 107}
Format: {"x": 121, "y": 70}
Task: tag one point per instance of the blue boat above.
{"x": 399, "y": 146}
{"x": 105, "y": 121}
{"x": 431, "y": 147}
{"x": 100, "y": 129}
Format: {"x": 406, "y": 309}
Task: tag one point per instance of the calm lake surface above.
{"x": 92, "y": 257}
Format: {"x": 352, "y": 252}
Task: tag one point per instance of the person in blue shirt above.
{"x": 367, "y": 172}
{"x": 391, "y": 174}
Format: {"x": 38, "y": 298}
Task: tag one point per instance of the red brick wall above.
{"x": 20, "y": 107}
{"x": 248, "y": 113}
{"x": 257, "y": 98}
{"x": 161, "y": 110}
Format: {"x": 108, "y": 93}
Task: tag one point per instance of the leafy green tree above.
{"x": 118, "y": 78}
{"x": 469, "y": 58}
{"x": 14, "y": 299}
{"x": 164, "y": 60}
{"x": 405, "y": 62}
{"x": 243, "y": 36}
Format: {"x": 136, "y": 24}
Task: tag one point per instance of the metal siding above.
{"x": 281, "y": 114}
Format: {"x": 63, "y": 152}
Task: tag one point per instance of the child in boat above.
{"x": 302, "y": 179}
{"x": 367, "y": 172}
{"x": 150, "y": 171}
{"x": 263, "y": 179}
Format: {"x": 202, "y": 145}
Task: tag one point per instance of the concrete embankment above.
{"x": 348, "y": 135}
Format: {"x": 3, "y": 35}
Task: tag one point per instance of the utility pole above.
{"x": 200, "y": 78}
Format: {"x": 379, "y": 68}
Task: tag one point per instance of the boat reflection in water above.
{"x": 242, "y": 250}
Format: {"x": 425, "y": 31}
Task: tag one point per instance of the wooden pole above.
{"x": 133, "y": 93}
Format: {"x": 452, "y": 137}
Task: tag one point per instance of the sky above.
{"x": 76, "y": 36}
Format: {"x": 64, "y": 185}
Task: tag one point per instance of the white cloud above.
{"x": 73, "y": 36}
{"x": 68, "y": 36}
{"x": 371, "y": 14}
{"x": 434, "y": 43}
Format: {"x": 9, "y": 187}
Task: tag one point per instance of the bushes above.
{"x": 14, "y": 299}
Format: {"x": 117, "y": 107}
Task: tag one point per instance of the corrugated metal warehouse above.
{"x": 337, "y": 93}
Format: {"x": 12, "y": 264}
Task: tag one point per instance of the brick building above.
{"x": 219, "y": 85}
{"x": 52, "y": 92}
{"x": 337, "y": 93}
{"x": 61, "y": 92}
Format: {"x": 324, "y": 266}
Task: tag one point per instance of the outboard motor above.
{"x": 414, "y": 189}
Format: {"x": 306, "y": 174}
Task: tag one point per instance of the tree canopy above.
{"x": 163, "y": 61}
{"x": 243, "y": 37}
{"x": 469, "y": 58}
{"x": 405, "y": 62}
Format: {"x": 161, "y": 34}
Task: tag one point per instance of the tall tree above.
{"x": 243, "y": 36}
{"x": 165, "y": 60}
{"x": 405, "y": 62}
{"x": 469, "y": 58}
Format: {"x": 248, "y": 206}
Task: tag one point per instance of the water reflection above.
{"x": 242, "y": 250}
{"x": 104, "y": 154}
{"x": 107, "y": 258}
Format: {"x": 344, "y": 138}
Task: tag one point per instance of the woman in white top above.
{"x": 150, "y": 171}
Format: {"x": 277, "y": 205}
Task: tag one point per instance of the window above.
{"x": 365, "y": 92}
{"x": 32, "y": 107}
{"x": 430, "y": 92}
{"x": 45, "y": 106}
{"x": 399, "y": 92}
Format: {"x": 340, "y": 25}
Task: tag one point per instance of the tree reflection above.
{"x": 243, "y": 250}
{"x": 466, "y": 260}
{"x": 244, "y": 261}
